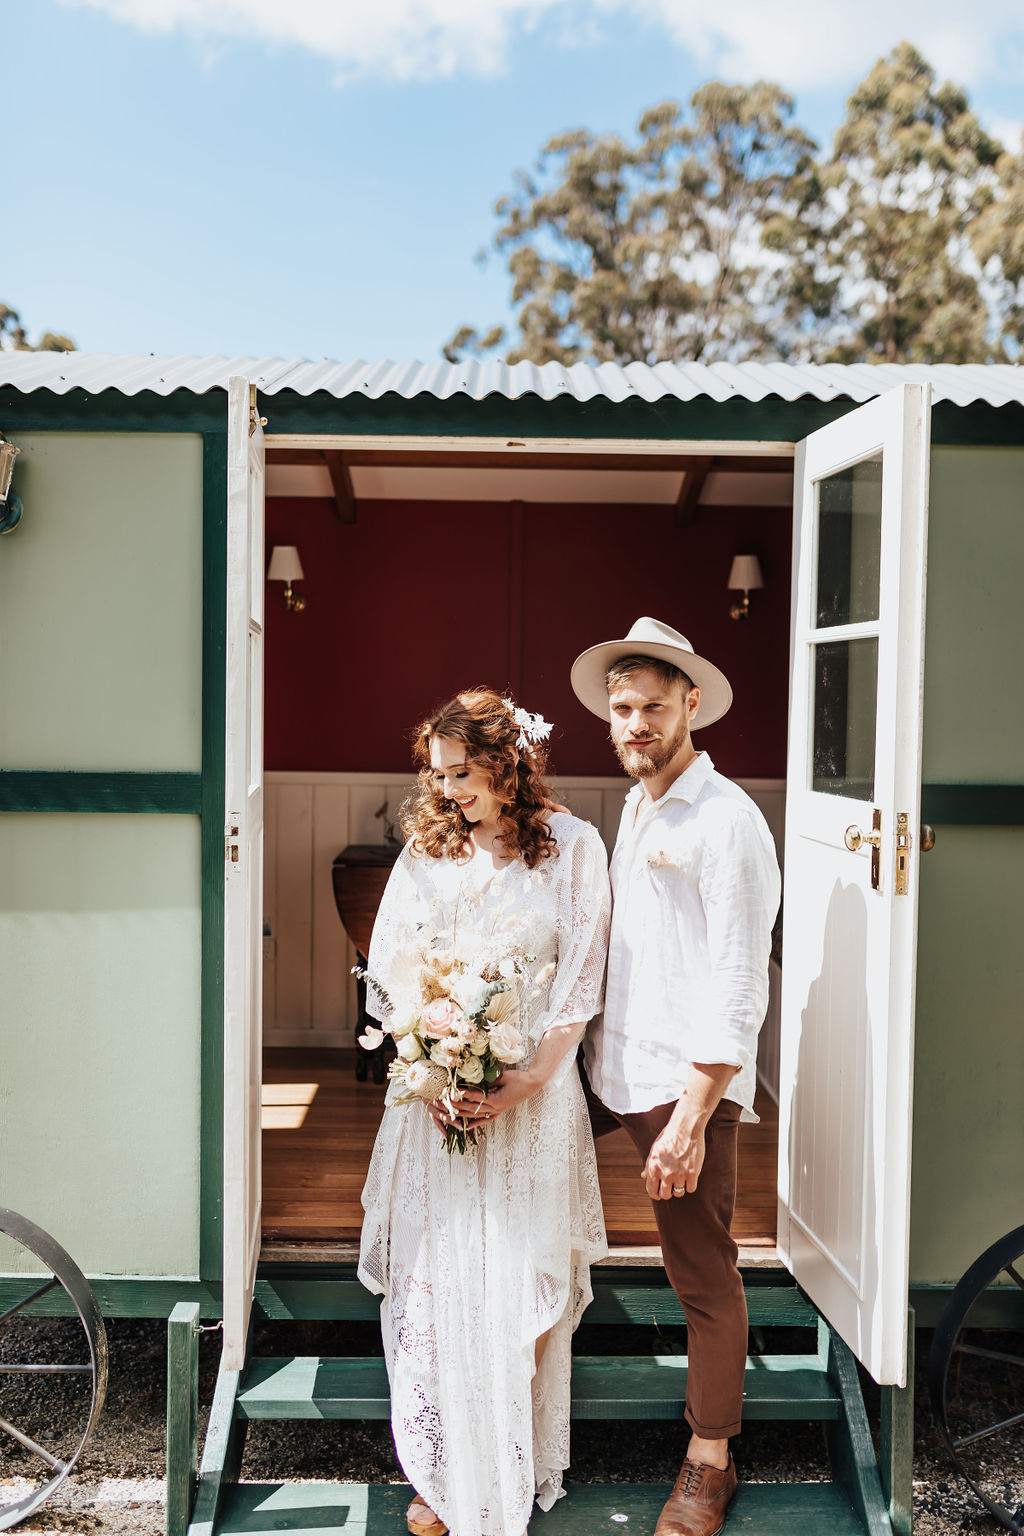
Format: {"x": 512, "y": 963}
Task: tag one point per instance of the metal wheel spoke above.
{"x": 32, "y": 1445}
{"x": 44, "y": 1370}
{"x": 1018, "y": 1279}
{"x": 53, "y": 1281}
{"x": 989, "y": 1354}
{"x": 982, "y": 1434}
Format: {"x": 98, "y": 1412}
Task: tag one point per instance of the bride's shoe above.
{"x": 428, "y": 1524}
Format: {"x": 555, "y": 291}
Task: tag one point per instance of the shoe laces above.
{"x": 694, "y": 1477}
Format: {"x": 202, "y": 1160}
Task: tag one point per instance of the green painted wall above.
{"x": 101, "y": 604}
{"x": 99, "y": 1036}
{"x": 969, "y": 1076}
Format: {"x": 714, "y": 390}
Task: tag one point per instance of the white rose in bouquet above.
{"x": 402, "y": 1021}
{"x": 446, "y": 1052}
{"x": 467, "y": 989}
{"x": 409, "y": 1048}
{"x": 506, "y": 1043}
{"x": 472, "y": 1071}
{"x": 480, "y": 1042}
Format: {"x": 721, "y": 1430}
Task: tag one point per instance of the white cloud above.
{"x": 397, "y": 39}
{"x": 808, "y": 44}
{"x": 812, "y": 44}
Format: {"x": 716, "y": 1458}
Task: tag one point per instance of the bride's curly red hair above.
{"x": 484, "y": 724}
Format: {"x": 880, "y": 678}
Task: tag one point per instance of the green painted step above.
{"x": 603, "y": 1387}
{"x": 589, "y": 1509}
{"x": 332, "y": 1292}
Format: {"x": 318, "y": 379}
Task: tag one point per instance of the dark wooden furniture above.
{"x": 359, "y": 874}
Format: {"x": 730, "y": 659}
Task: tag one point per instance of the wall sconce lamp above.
{"x": 745, "y": 576}
{"x": 286, "y": 566}
{"x": 10, "y": 504}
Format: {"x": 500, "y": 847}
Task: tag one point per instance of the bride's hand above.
{"x": 510, "y": 1089}
{"x": 477, "y": 1108}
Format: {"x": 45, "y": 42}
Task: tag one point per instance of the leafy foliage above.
{"x": 721, "y": 233}
{"x": 13, "y": 336}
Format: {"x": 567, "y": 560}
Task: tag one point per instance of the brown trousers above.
{"x": 700, "y": 1261}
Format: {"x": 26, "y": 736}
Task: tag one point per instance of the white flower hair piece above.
{"x": 532, "y": 728}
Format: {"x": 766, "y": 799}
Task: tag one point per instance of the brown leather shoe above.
{"x": 699, "y": 1502}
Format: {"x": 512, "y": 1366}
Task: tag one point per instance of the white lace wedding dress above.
{"x": 478, "y": 1255}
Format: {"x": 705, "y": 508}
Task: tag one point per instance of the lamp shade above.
{"x": 285, "y": 564}
{"x": 745, "y": 575}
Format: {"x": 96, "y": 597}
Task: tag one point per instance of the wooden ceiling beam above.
{"x": 341, "y": 480}
{"x": 690, "y": 491}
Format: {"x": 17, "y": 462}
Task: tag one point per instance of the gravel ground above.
{"x": 117, "y": 1489}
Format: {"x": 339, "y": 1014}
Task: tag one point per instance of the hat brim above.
{"x": 590, "y": 669}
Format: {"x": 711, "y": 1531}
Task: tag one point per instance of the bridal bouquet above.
{"x": 453, "y": 1029}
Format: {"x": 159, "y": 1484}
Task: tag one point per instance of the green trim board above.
{"x": 331, "y": 1292}
{"x": 117, "y": 1297}
{"x": 175, "y": 794}
{"x": 973, "y": 805}
{"x": 767, "y": 420}
{"x": 211, "y": 1152}
{"x": 110, "y": 411}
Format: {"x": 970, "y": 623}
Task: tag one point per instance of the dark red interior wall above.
{"x": 418, "y": 600}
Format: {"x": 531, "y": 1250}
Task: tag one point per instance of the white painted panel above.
{"x": 333, "y": 956}
{"x": 269, "y": 908}
{"x": 294, "y": 915}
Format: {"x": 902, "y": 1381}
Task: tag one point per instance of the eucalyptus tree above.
{"x": 14, "y": 337}
{"x": 911, "y": 174}
{"x": 999, "y": 244}
{"x": 654, "y": 249}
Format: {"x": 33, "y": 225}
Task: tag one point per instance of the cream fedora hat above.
{"x": 649, "y": 637}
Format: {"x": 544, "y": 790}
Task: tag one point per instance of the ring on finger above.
{"x": 677, "y": 1191}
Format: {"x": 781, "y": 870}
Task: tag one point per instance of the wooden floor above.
{"x": 318, "y": 1129}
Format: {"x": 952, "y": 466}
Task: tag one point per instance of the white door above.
{"x": 243, "y": 868}
{"x": 852, "y": 851}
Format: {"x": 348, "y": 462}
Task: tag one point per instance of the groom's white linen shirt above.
{"x": 695, "y": 884}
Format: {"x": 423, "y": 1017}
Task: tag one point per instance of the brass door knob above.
{"x": 927, "y": 837}
{"x": 854, "y": 839}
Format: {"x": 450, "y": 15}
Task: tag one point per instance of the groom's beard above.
{"x": 644, "y": 765}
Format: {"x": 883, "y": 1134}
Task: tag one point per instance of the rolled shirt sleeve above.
{"x": 739, "y": 889}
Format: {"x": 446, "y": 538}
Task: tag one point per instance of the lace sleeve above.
{"x": 583, "y": 914}
{"x": 393, "y": 927}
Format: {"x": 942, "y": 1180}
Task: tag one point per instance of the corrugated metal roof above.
{"x": 995, "y": 384}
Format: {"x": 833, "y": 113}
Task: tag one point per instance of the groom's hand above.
{"x": 674, "y": 1162}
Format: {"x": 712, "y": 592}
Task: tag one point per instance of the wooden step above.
{"x": 603, "y": 1387}
{"x": 589, "y": 1509}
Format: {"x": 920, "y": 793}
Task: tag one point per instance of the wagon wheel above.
{"x": 976, "y": 1381}
{"x": 81, "y": 1384}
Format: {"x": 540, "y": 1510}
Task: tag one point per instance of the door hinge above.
{"x": 902, "y": 852}
{"x": 255, "y": 419}
{"x": 231, "y": 840}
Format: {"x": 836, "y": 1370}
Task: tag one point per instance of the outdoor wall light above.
{"x": 745, "y": 576}
{"x": 10, "y": 504}
{"x": 286, "y": 566}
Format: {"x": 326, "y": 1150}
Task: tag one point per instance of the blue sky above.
{"x": 314, "y": 177}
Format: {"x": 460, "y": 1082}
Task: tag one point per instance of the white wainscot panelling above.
{"x": 308, "y": 990}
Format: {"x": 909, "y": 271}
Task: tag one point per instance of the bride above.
{"x": 483, "y": 1259}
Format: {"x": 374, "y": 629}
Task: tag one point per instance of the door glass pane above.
{"x": 849, "y": 544}
{"x": 845, "y": 689}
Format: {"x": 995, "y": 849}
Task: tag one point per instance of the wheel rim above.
{"x": 64, "y": 1274}
{"x": 976, "y": 1382}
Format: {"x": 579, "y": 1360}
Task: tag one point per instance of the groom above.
{"x": 695, "y": 883}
